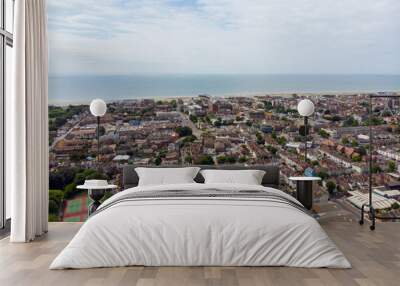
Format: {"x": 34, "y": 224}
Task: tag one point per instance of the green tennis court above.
{"x": 74, "y": 206}
{"x": 76, "y": 209}
{"x": 73, "y": 219}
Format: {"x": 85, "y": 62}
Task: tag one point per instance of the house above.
{"x": 219, "y": 146}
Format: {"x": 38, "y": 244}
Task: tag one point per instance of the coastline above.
{"x": 238, "y": 94}
{"x": 64, "y": 90}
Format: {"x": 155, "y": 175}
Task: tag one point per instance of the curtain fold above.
{"x": 28, "y": 157}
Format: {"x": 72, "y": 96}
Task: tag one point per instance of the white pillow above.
{"x": 166, "y": 176}
{"x": 247, "y": 177}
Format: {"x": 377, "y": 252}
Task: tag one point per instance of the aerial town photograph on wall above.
{"x": 247, "y": 130}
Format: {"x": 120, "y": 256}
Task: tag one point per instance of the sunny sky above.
{"x": 114, "y": 37}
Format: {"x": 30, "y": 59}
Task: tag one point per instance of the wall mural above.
{"x": 208, "y": 82}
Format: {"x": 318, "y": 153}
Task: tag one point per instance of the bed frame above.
{"x": 271, "y": 178}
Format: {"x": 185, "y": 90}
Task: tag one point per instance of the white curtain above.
{"x": 28, "y": 124}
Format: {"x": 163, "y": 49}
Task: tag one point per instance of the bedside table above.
{"x": 95, "y": 193}
{"x": 305, "y": 190}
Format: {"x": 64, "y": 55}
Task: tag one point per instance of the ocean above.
{"x": 82, "y": 89}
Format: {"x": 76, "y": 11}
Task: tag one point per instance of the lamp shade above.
{"x": 305, "y": 107}
{"x": 98, "y": 107}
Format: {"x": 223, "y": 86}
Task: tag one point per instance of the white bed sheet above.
{"x": 200, "y": 232}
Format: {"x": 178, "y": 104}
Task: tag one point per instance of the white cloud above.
{"x": 222, "y": 36}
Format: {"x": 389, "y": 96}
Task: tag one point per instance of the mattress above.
{"x": 201, "y": 225}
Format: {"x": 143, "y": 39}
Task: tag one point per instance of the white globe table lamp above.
{"x": 98, "y": 108}
{"x": 305, "y": 108}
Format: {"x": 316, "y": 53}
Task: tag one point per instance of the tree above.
{"x": 281, "y": 140}
{"x": 60, "y": 121}
{"x": 183, "y": 131}
{"x": 231, "y": 159}
{"x": 350, "y": 122}
{"x": 56, "y": 196}
{"x": 79, "y": 178}
{"x": 354, "y": 143}
{"x": 395, "y": 205}
{"x": 53, "y": 218}
{"x": 391, "y": 166}
{"x": 77, "y": 156}
{"x": 375, "y": 121}
{"x": 56, "y": 180}
{"x": 205, "y": 160}
{"x": 88, "y": 174}
{"x": 322, "y": 174}
{"x": 53, "y": 207}
{"x": 376, "y": 169}
{"x": 55, "y": 201}
{"x": 60, "y": 178}
{"x": 361, "y": 150}
{"x": 162, "y": 153}
{"x": 356, "y": 158}
{"x": 58, "y": 116}
{"x": 243, "y": 159}
{"x": 345, "y": 141}
{"x": 323, "y": 133}
{"x": 189, "y": 139}
{"x": 314, "y": 163}
{"x": 268, "y": 105}
{"x": 226, "y": 159}
{"x": 260, "y": 139}
{"x": 272, "y": 149}
{"x": 193, "y": 118}
{"x": 280, "y": 109}
{"x": 298, "y": 138}
{"x": 157, "y": 161}
{"x": 221, "y": 159}
{"x": 334, "y": 118}
{"x": 218, "y": 122}
{"x": 188, "y": 159}
{"x": 70, "y": 190}
{"x": 330, "y": 186}
{"x": 173, "y": 103}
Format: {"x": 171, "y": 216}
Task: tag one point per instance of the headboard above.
{"x": 271, "y": 178}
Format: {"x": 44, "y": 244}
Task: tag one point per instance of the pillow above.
{"x": 248, "y": 177}
{"x": 166, "y": 176}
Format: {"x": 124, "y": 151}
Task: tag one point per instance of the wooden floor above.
{"x": 375, "y": 257}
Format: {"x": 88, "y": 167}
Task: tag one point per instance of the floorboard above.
{"x": 375, "y": 257}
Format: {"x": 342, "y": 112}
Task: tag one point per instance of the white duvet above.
{"x": 202, "y": 232}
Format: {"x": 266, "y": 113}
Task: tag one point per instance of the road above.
{"x": 57, "y": 139}
{"x": 187, "y": 122}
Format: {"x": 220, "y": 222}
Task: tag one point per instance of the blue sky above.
{"x": 112, "y": 37}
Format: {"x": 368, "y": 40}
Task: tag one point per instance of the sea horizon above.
{"x": 64, "y": 90}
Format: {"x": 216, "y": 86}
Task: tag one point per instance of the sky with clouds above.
{"x": 114, "y": 37}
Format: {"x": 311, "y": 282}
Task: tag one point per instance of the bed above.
{"x": 198, "y": 224}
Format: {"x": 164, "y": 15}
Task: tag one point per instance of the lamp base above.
{"x": 372, "y": 215}
{"x": 305, "y": 193}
